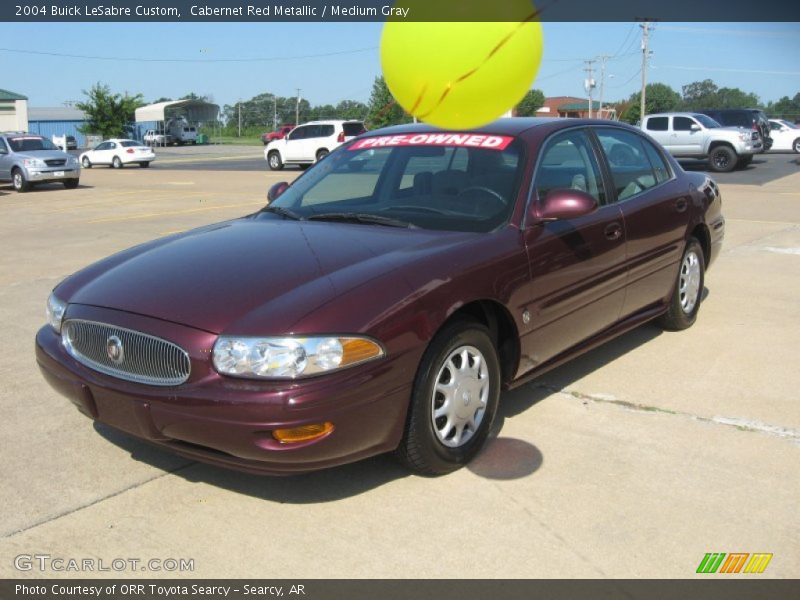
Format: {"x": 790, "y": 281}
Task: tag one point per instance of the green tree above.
{"x": 351, "y": 109}
{"x": 383, "y": 108}
{"x": 108, "y": 114}
{"x": 788, "y": 108}
{"x": 193, "y": 96}
{"x": 659, "y": 97}
{"x": 162, "y": 99}
{"x": 700, "y": 94}
{"x": 530, "y": 103}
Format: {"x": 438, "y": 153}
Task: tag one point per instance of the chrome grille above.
{"x": 136, "y": 356}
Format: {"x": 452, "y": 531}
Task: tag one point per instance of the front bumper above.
{"x": 52, "y": 174}
{"x": 229, "y": 422}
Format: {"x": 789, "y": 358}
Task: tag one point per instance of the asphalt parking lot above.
{"x": 632, "y": 461}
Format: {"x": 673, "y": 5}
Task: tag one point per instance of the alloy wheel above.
{"x": 689, "y": 283}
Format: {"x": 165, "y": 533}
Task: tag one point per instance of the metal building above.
{"x": 59, "y": 120}
{"x": 154, "y": 116}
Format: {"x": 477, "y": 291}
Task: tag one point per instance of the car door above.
{"x": 577, "y": 266}
{"x": 5, "y": 161}
{"x": 101, "y": 155}
{"x": 686, "y": 140}
{"x": 655, "y": 207}
{"x": 295, "y": 144}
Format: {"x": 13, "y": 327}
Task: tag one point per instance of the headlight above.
{"x": 34, "y": 163}
{"x": 55, "y": 312}
{"x": 290, "y": 357}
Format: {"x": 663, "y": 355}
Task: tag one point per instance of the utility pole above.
{"x": 645, "y": 55}
{"x": 297, "y": 109}
{"x": 240, "y": 117}
{"x": 603, "y": 60}
{"x": 589, "y": 84}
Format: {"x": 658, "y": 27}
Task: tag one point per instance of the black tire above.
{"x": 680, "y": 315}
{"x": 744, "y": 161}
{"x": 144, "y": 165}
{"x": 18, "y": 180}
{"x": 422, "y": 449}
{"x": 71, "y": 184}
{"x": 86, "y": 163}
{"x": 321, "y": 154}
{"x": 722, "y": 159}
{"x": 274, "y": 161}
{"x": 303, "y": 166}
{"x": 796, "y": 146}
{"x": 116, "y": 163}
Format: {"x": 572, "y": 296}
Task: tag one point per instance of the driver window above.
{"x": 568, "y": 162}
{"x": 298, "y": 134}
{"x": 682, "y": 123}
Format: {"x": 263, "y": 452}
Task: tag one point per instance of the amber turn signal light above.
{"x": 302, "y": 434}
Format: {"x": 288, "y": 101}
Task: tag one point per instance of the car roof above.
{"x": 674, "y": 114}
{"x": 506, "y": 126}
{"x": 330, "y": 122}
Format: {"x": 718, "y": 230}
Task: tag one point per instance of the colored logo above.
{"x": 735, "y": 562}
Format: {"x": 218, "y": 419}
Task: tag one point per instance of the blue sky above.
{"x": 756, "y": 57}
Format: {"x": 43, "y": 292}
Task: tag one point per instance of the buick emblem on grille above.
{"x": 115, "y": 350}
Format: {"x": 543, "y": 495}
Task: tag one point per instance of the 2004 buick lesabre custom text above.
{"x": 383, "y": 300}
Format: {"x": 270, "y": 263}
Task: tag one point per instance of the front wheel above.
{"x": 453, "y": 402}
{"x": 21, "y": 184}
{"x": 116, "y": 162}
{"x": 687, "y": 295}
{"x": 796, "y": 146}
{"x": 274, "y": 161}
{"x": 722, "y": 159}
{"x": 87, "y": 164}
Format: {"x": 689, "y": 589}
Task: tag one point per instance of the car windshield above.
{"x": 707, "y": 121}
{"x": 30, "y": 144}
{"x": 411, "y": 180}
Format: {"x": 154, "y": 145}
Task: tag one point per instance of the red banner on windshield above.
{"x": 467, "y": 140}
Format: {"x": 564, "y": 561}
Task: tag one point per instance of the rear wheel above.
{"x": 688, "y": 293}
{"x": 21, "y": 184}
{"x": 274, "y": 161}
{"x": 321, "y": 154}
{"x": 87, "y": 164}
{"x": 722, "y": 159}
{"x": 116, "y": 162}
{"x": 453, "y": 402}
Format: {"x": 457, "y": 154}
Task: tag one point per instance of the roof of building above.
{"x": 196, "y": 110}
{"x": 55, "y": 113}
{"x": 7, "y": 95}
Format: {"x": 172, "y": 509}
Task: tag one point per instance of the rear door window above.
{"x": 628, "y": 162}
{"x": 658, "y": 123}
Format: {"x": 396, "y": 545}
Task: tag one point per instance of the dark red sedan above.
{"x": 383, "y": 300}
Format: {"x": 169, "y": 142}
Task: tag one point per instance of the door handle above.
{"x": 681, "y": 205}
{"x": 613, "y": 231}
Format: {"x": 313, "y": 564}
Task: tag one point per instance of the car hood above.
{"x": 214, "y": 278}
{"x": 43, "y": 154}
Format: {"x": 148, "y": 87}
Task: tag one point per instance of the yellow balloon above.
{"x": 466, "y": 74}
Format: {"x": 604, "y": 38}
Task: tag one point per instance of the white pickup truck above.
{"x": 693, "y": 135}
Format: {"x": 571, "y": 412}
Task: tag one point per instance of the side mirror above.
{"x": 564, "y": 203}
{"x": 276, "y": 190}
{"x": 695, "y": 127}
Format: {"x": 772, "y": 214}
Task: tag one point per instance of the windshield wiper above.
{"x": 362, "y": 218}
{"x": 287, "y": 213}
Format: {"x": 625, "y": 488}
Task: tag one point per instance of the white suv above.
{"x": 310, "y": 142}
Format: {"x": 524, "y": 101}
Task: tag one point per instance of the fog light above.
{"x": 302, "y": 434}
